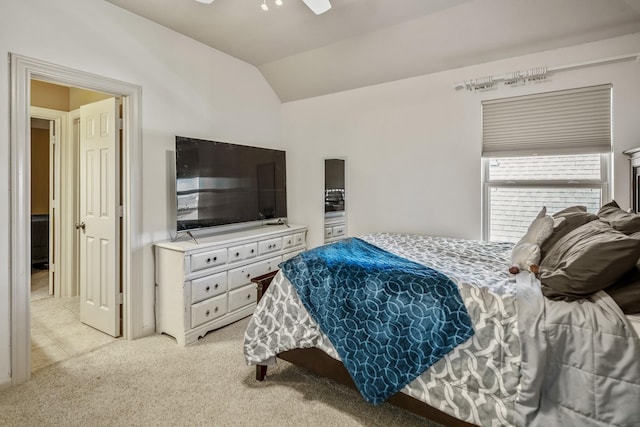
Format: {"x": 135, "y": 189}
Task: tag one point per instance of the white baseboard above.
{"x": 5, "y": 383}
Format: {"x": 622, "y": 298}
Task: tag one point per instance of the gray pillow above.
{"x": 577, "y": 208}
{"x": 626, "y": 291}
{"x": 625, "y": 222}
{"x": 565, "y": 222}
{"x": 586, "y": 260}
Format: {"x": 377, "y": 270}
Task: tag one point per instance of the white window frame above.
{"x": 603, "y": 184}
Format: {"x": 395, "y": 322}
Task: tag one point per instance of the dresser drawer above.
{"x": 267, "y": 266}
{"x": 238, "y": 253}
{"x": 268, "y": 246}
{"x": 208, "y": 259}
{"x": 293, "y": 240}
{"x": 207, "y": 310}
{"x": 328, "y": 232}
{"x": 338, "y": 231}
{"x": 208, "y": 286}
{"x": 244, "y": 296}
{"x": 242, "y": 276}
{"x": 288, "y": 241}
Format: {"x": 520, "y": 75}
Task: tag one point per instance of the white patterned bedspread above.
{"x": 476, "y": 382}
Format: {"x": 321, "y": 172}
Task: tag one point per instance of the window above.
{"x": 548, "y": 150}
{"x": 517, "y": 188}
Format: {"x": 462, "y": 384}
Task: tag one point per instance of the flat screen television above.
{"x": 218, "y": 184}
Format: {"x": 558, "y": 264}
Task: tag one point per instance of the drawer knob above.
{"x": 249, "y": 296}
{"x": 207, "y": 313}
{"x": 248, "y": 275}
{"x": 215, "y": 310}
{"x": 269, "y": 269}
{"x": 237, "y": 253}
{"x": 216, "y": 286}
{"x": 253, "y": 250}
{"x": 207, "y": 288}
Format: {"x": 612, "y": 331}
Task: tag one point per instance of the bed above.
{"x": 531, "y": 360}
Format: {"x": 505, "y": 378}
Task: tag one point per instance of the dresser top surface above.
{"x": 185, "y": 243}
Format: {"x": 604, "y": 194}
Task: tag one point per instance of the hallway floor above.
{"x": 56, "y": 331}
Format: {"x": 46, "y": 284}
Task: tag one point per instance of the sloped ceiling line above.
{"x": 360, "y": 43}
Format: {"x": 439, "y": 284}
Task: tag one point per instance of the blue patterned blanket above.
{"x": 388, "y": 318}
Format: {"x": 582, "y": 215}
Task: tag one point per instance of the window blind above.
{"x": 576, "y": 121}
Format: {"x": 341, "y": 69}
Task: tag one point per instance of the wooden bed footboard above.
{"x": 323, "y": 365}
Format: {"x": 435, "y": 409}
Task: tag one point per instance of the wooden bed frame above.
{"x": 323, "y": 365}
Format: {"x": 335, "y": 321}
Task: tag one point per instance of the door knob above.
{"x": 80, "y": 225}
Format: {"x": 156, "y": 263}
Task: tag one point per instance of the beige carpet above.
{"x": 39, "y": 284}
{"x": 152, "y": 381}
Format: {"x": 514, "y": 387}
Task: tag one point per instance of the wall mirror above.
{"x": 335, "y": 219}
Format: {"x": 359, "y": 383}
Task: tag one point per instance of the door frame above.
{"x": 22, "y": 70}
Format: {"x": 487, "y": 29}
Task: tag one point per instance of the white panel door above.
{"x": 99, "y": 225}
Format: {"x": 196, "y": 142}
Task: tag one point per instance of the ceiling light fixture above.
{"x": 318, "y": 6}
{"x": 205, "y": 1}
{"x": 265, "y": 6}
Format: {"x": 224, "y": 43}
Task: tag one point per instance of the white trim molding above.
{"x": 22, "y": 71}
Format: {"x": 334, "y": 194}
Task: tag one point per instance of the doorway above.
{"x": 23, "y": 70}
{"x": 42, "y": 160}
{"x": 58, "y": 331}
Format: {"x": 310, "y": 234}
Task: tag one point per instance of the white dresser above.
{"x": 206, "y": 285}
{"x": 335, "y": 227}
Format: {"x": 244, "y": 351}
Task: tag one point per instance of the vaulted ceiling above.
{"x": 364, "y": 42}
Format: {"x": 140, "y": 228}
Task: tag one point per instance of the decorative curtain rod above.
{"x": 533, "y": 74}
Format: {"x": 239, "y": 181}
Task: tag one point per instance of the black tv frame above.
{"x": 240, "y": 186}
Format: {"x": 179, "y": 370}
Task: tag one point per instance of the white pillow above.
{"x": 525, "y": 255}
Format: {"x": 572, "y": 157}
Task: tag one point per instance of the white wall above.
{"x": 413, "y": 146}
{"x": 187, "y": 89}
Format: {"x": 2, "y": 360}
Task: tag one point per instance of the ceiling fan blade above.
{"x": 318, "y": 6}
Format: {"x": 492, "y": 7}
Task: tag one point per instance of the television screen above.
{"x": 218, "y": 183}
